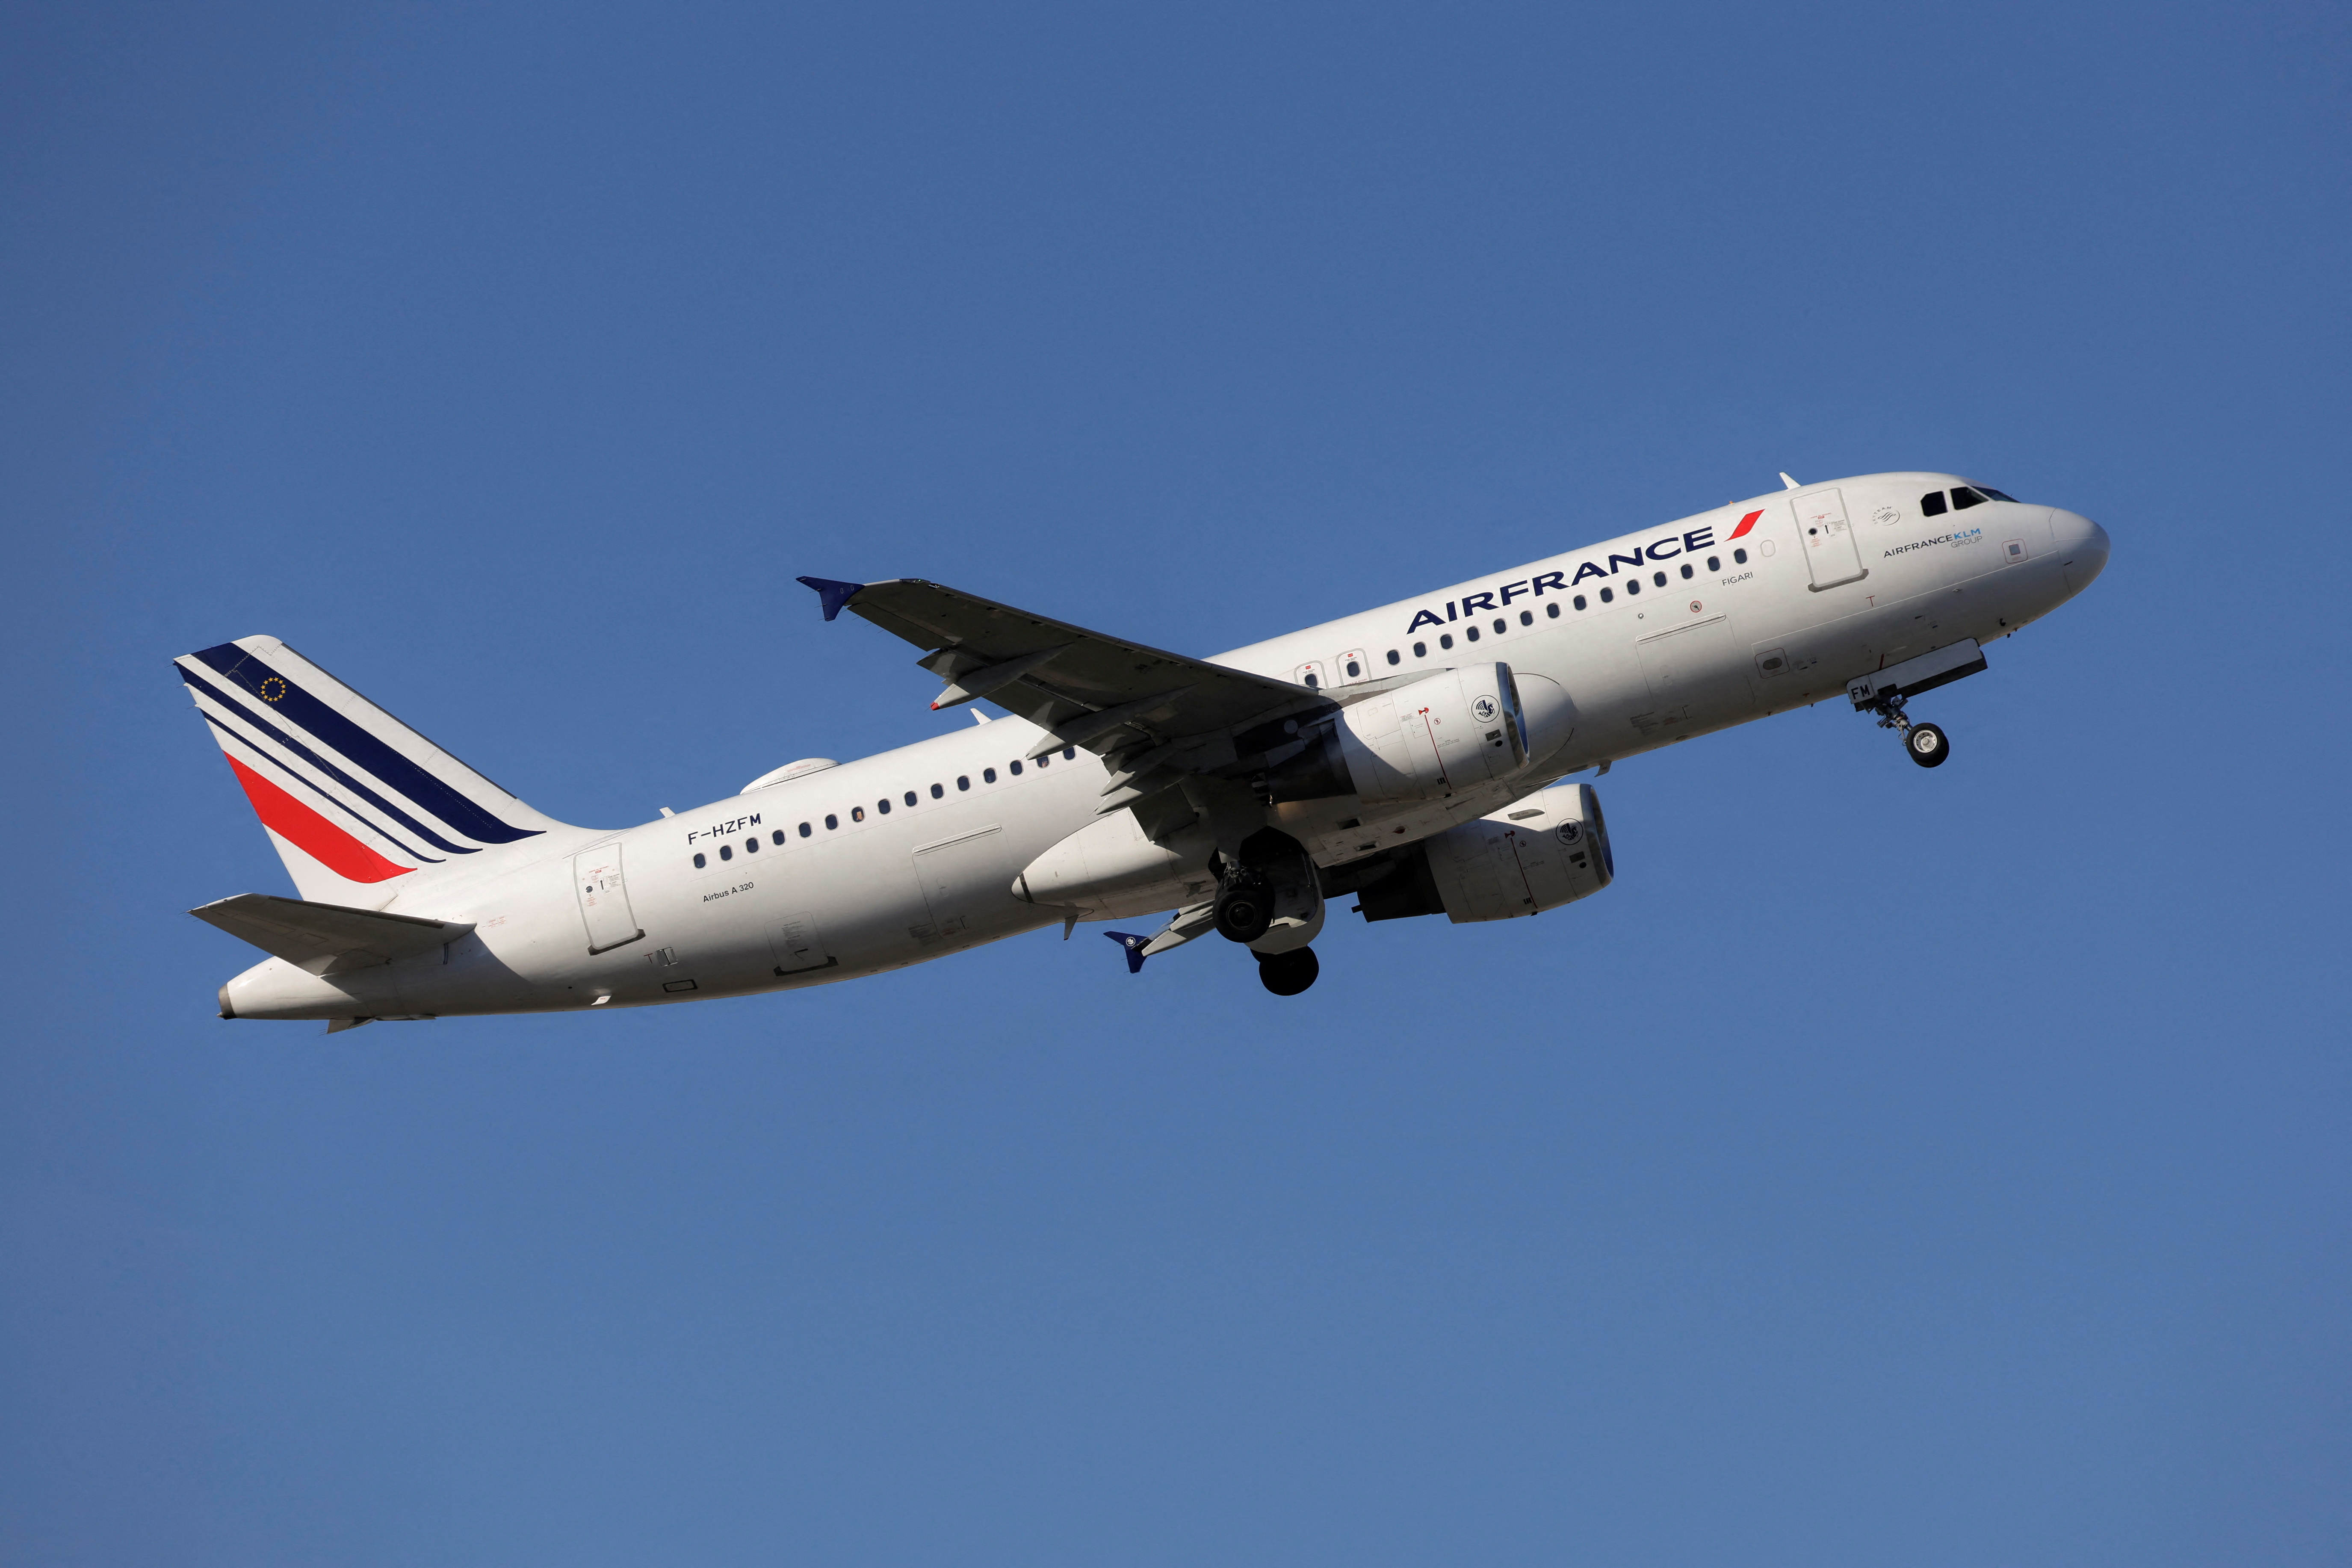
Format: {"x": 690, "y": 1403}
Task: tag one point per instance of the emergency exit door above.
{"x": 964, "y": 880}
{"x": 604, "y": 897}
{"x": 1832, "y": 553}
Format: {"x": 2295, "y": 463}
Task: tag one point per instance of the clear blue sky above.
{"x": 1935, "y": 1168}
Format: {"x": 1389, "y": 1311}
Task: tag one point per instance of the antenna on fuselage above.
{"x": 1790, "y": 483}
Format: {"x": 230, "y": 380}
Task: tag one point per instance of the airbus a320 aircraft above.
{"x": 1410, "y": 757}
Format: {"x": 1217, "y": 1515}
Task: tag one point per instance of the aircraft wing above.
{"x": 1140, "y": 707}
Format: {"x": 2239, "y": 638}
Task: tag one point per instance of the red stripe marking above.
{"x": 1746, "y": 523}
{"x": 313, "y": 834}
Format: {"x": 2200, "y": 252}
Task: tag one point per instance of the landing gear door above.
{"x": 1831, "y": 551}
{"x": 604, "y": 897}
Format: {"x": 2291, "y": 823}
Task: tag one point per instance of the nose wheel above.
{"x": 1927, "y": 744}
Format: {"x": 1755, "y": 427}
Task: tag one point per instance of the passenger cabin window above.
{"x": 988, "y": 776}
{"x": 831, "y": 822}
{"x": 1016, "y": 766}
{"x": 1740, "y": 557}
{"x": 777, "y": 838}
{"x": 1070, "y": 754}
{"x": 1659, "y": 578}
{"x": 804, "y": 828}
{"x": 1470, "y": 632}
{"x": 939, "y": 792}
{"x": 1932, "y": 505}
{"x": 750, "y": 847}
{"x": 1579, "y": 601}
{"x": 883, "y": 805}
{"x": 963, "y": 781}
{"x": 856, "y": 814}
{"x": 1394, "y": 659}
{"x": 1715, "y": 562}
{"x": 699, "y": 862}
{"x": 1552, "y": 609}
{"x": 1686, "y": 571}
{"x": 1354, "y": 669}
{"x": 1963, "y": 498}
{"x": 1420, "y": 650}
{"x": 1632, "y": 587}
{"x": 727, "y": 851}
{"x": 1445, "y": 639}
{"x": 1607, "y": 594}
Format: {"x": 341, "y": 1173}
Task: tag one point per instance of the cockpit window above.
{"x": 1932, "y": 505}
{"x": 1992, "y": 494}
{"x": 1964, "y": 498}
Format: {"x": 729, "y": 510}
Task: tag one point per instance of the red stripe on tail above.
{"x": 313, "y": 834}
{"x": 1746, "y": 523}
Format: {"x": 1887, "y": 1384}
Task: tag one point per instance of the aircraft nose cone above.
{"x": 2082, "y": 544}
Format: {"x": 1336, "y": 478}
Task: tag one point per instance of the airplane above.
{"x": 1420, "y": 758}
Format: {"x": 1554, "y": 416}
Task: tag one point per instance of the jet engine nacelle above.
{"x": 1537, "y": 854}
{"x": 1451, "y": 731}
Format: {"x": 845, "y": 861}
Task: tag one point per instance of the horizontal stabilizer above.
{"x": 326, "y": 939}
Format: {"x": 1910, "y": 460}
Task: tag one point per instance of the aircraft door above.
{"x": 1353, "y": 667}
{"x": 1831, "y": 551}
{"x": 965, "y": 882}
{"x": 796, "y": 944}
{"x": 1697, "y": 677}
{"x": 604, "y": 897}
{"x": 1312, "y": 673}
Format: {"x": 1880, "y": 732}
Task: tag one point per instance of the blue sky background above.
{"x": 1893, "y": 1166}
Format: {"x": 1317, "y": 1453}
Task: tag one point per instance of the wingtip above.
{"x": 831, "y": 594}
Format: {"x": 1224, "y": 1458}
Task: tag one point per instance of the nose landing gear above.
{"x": 1884, "y": 692}
{"x": 1925, "y": 744}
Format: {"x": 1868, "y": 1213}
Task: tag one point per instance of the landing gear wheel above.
{"x": 1927, "y": 745}
{"x": 1245, "y": 907}
{"x": 1288, "y": 973}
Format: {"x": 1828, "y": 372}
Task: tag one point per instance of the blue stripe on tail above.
{"x": 324, "y": 766}
{"x": 301, "y": 708}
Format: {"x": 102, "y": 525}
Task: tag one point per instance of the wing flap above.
{"x": 326, "y": 939}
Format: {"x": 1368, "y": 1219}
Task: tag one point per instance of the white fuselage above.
{"x": 834, "y": 874}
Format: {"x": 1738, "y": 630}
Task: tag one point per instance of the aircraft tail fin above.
{"x": 353, "y": 798}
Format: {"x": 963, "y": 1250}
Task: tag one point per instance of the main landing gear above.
{"x": 1925, "y": 744}
{"x": 1270, "y": 899}
{"x": 1245, "y": 908}
{"x": 1288, "y": 973}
